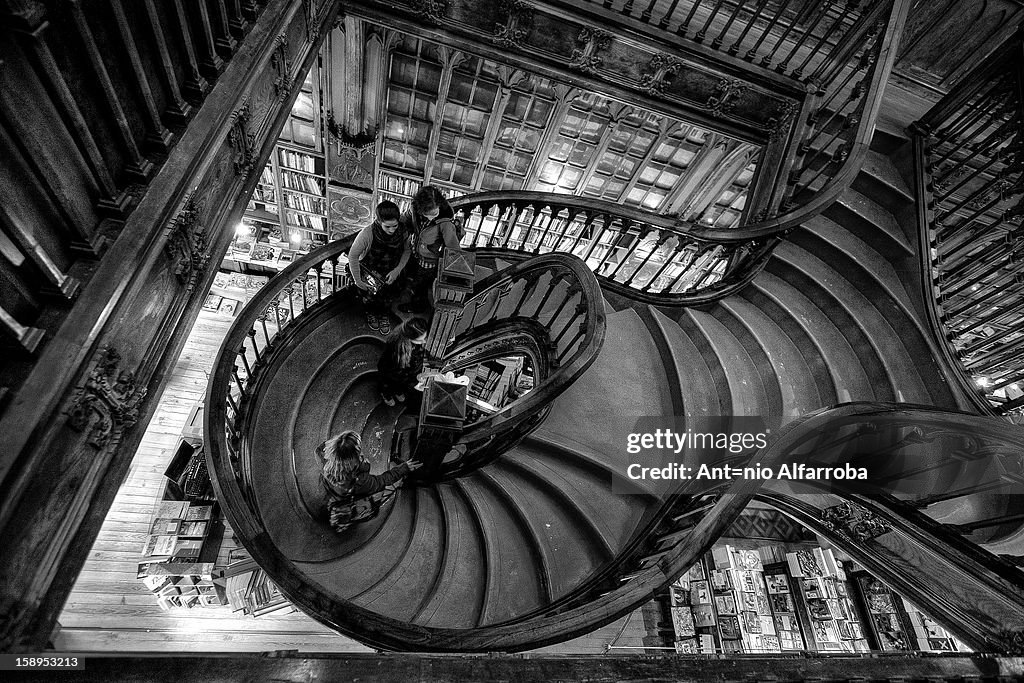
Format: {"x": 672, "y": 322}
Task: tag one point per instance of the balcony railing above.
{"x": 969, "y": 152}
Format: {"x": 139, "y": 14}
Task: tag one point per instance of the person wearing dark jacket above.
{"x": 376, "y": 261}
{"x": 348, "y": 482}
{"x": 402, "y": 360}
{"x": 432, "y": 224}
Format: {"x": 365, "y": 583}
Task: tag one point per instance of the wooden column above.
{"x": 29, "y": 20}
{"x": 224, "y": 41}
{"x": 237, "y": 21}
{"x": 158, "y": 136}
{"x": 352, "y": 53}
{"x": 451, "y": 58}
{"x": 138, "y": 167}
{"x": 210, "y": 62}
{"x": 196, "y": 86}
{"x": 27, "y": 151}
{"x": 178, "y": 110}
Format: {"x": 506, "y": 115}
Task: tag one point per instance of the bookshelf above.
{"x": 287, "y": 214}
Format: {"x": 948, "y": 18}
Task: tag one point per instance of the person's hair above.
{"x": 388, "y": 211}
{"x": 400, "y": 341}
{"x": 426, "y": 198}
{"x": 342, "y": 455}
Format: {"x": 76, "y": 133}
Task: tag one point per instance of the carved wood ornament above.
{"x": 187, "y": 243}
{"x": 111, "y": 395}
{"x": 279, "y": 61}
{"x": 243, "y": 144}
{"x": 854, "y": 522}
{"x": 518, "y": 17}
{"x": 430, "y": 11}
{"x": 587, "y": 58}
{"x": 659, "y": 70}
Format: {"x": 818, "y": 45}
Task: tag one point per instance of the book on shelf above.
{"x": 162, "y": 526}
{"x": 171, "y": 509}
{"x": 193, "y": 529}
{"x": 198, "y": 512}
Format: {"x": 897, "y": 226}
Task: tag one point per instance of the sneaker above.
{"x": 372, "y": 321}
{"x": 400, "y": 398}
{"x": 385, "y": 324}
{"x": 389, "y": 402}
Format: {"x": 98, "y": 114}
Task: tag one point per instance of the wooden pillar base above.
{"x": 114, "y": 207}
{"x": 94, "y": 248}
{"x": 178, "y": 113}
{"x": 140, "y": 171}
{"x": 212, "y": 66}
{"x": 225, "y": 46}
{"x": 68, "y": 290}
{"x": 159, "y": 141}
{"x": 31, "y": 339}
{"x": 195, "y": 89}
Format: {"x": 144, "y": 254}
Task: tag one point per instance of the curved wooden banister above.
{"x": 663, "y": 260}
{"x": 487, "y": 438}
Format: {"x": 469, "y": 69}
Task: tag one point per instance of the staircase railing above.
{"x": 556, "y": 301}
{"x": 665, "y": 260}
{"x": 969, "y": 156}
{"x": 253, "y": 342}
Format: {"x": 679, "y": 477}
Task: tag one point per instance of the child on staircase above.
{"x": 402, "y": 360}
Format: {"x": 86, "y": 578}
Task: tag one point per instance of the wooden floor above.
{"x": 109, "y": 610}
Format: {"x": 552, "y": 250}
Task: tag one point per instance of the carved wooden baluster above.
{"x": 255, "y": 347}
{"x": 210, "y": 63}
{"x": 512, "y": 226}
{"x": 570, "y": 293}
{"x": 158, "y": 135}
{"x": 940, "y": 197}
{"x": 529, "y": 289}
{"x": 703, "y": 32}
{"x": 642, "y": 237}
{"x": 1000, "y": 301}
{"x": 225, "y": 42}
{"x": 991, "y": 97}
{"x": 291, "y": 305}
{"x": 31, "y": 26}
{"x": 622, "y": 230}
{"x": 27, "y": 337}
{"x": 669, "y": 260}
{"x": 177, "y": 110}
{"x": 756, "y": 17}
{"x": 752, "y": 52}
{"x": 263, "y": 323}
{"x": 553, "y": 216}
{"x": 570, "y": 220}
{"x": 237, "y": 20}
{"x": 720, "y": 38}
{"x": 689, "y": 260}
{"x": 528, "y": 230}
{"x": 243, "y": 354}
{"x": 683, "y": 27}
{"x": 196, "y": 86}
{"x": 669, "y": 13}
{"x": 999, "y": 133}
{"x": 138, "y": 166}
{"x": 766, "y": 61}
{"x": 992, "y": 186}
{"x": 553, "y": 284}
{"x": 238, "y": 380}
{"x": 629, "y": 253}
{"x": 61, "y": 284}
{"x": 845, "y": 13}
{"x": 645, "y": 16}
{"x": 250, "y": 8}
{"x": 825, "y": 7}
{"x": 581, "y": 308}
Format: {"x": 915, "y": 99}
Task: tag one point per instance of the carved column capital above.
{"x": 187, "y": 244}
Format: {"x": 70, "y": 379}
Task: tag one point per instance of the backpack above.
{"x": 344, "y": 512}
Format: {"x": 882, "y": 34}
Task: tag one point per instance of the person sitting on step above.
{"x": 376, "y": 261}
{"x": 353, "y": 494}
{"x": 402, "y": 360}
{"x": 432, "y": 224}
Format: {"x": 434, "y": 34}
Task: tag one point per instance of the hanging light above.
{"x": 295, "y": 237}
{"x": 982, "y": 382}
{"x": 241, "y": 230}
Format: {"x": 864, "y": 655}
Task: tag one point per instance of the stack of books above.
{"x": 249, "y": 590}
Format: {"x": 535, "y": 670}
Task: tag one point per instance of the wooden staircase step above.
{"x": 749, "y": 396}
{"x": 872, "y": 223}
{"x": 513, "y": 585}
{"x": 881, "y": 180}
{"x": 797, "y": 385}
{"x": 840, "y": 360}
{"x": 457, "y": 598}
